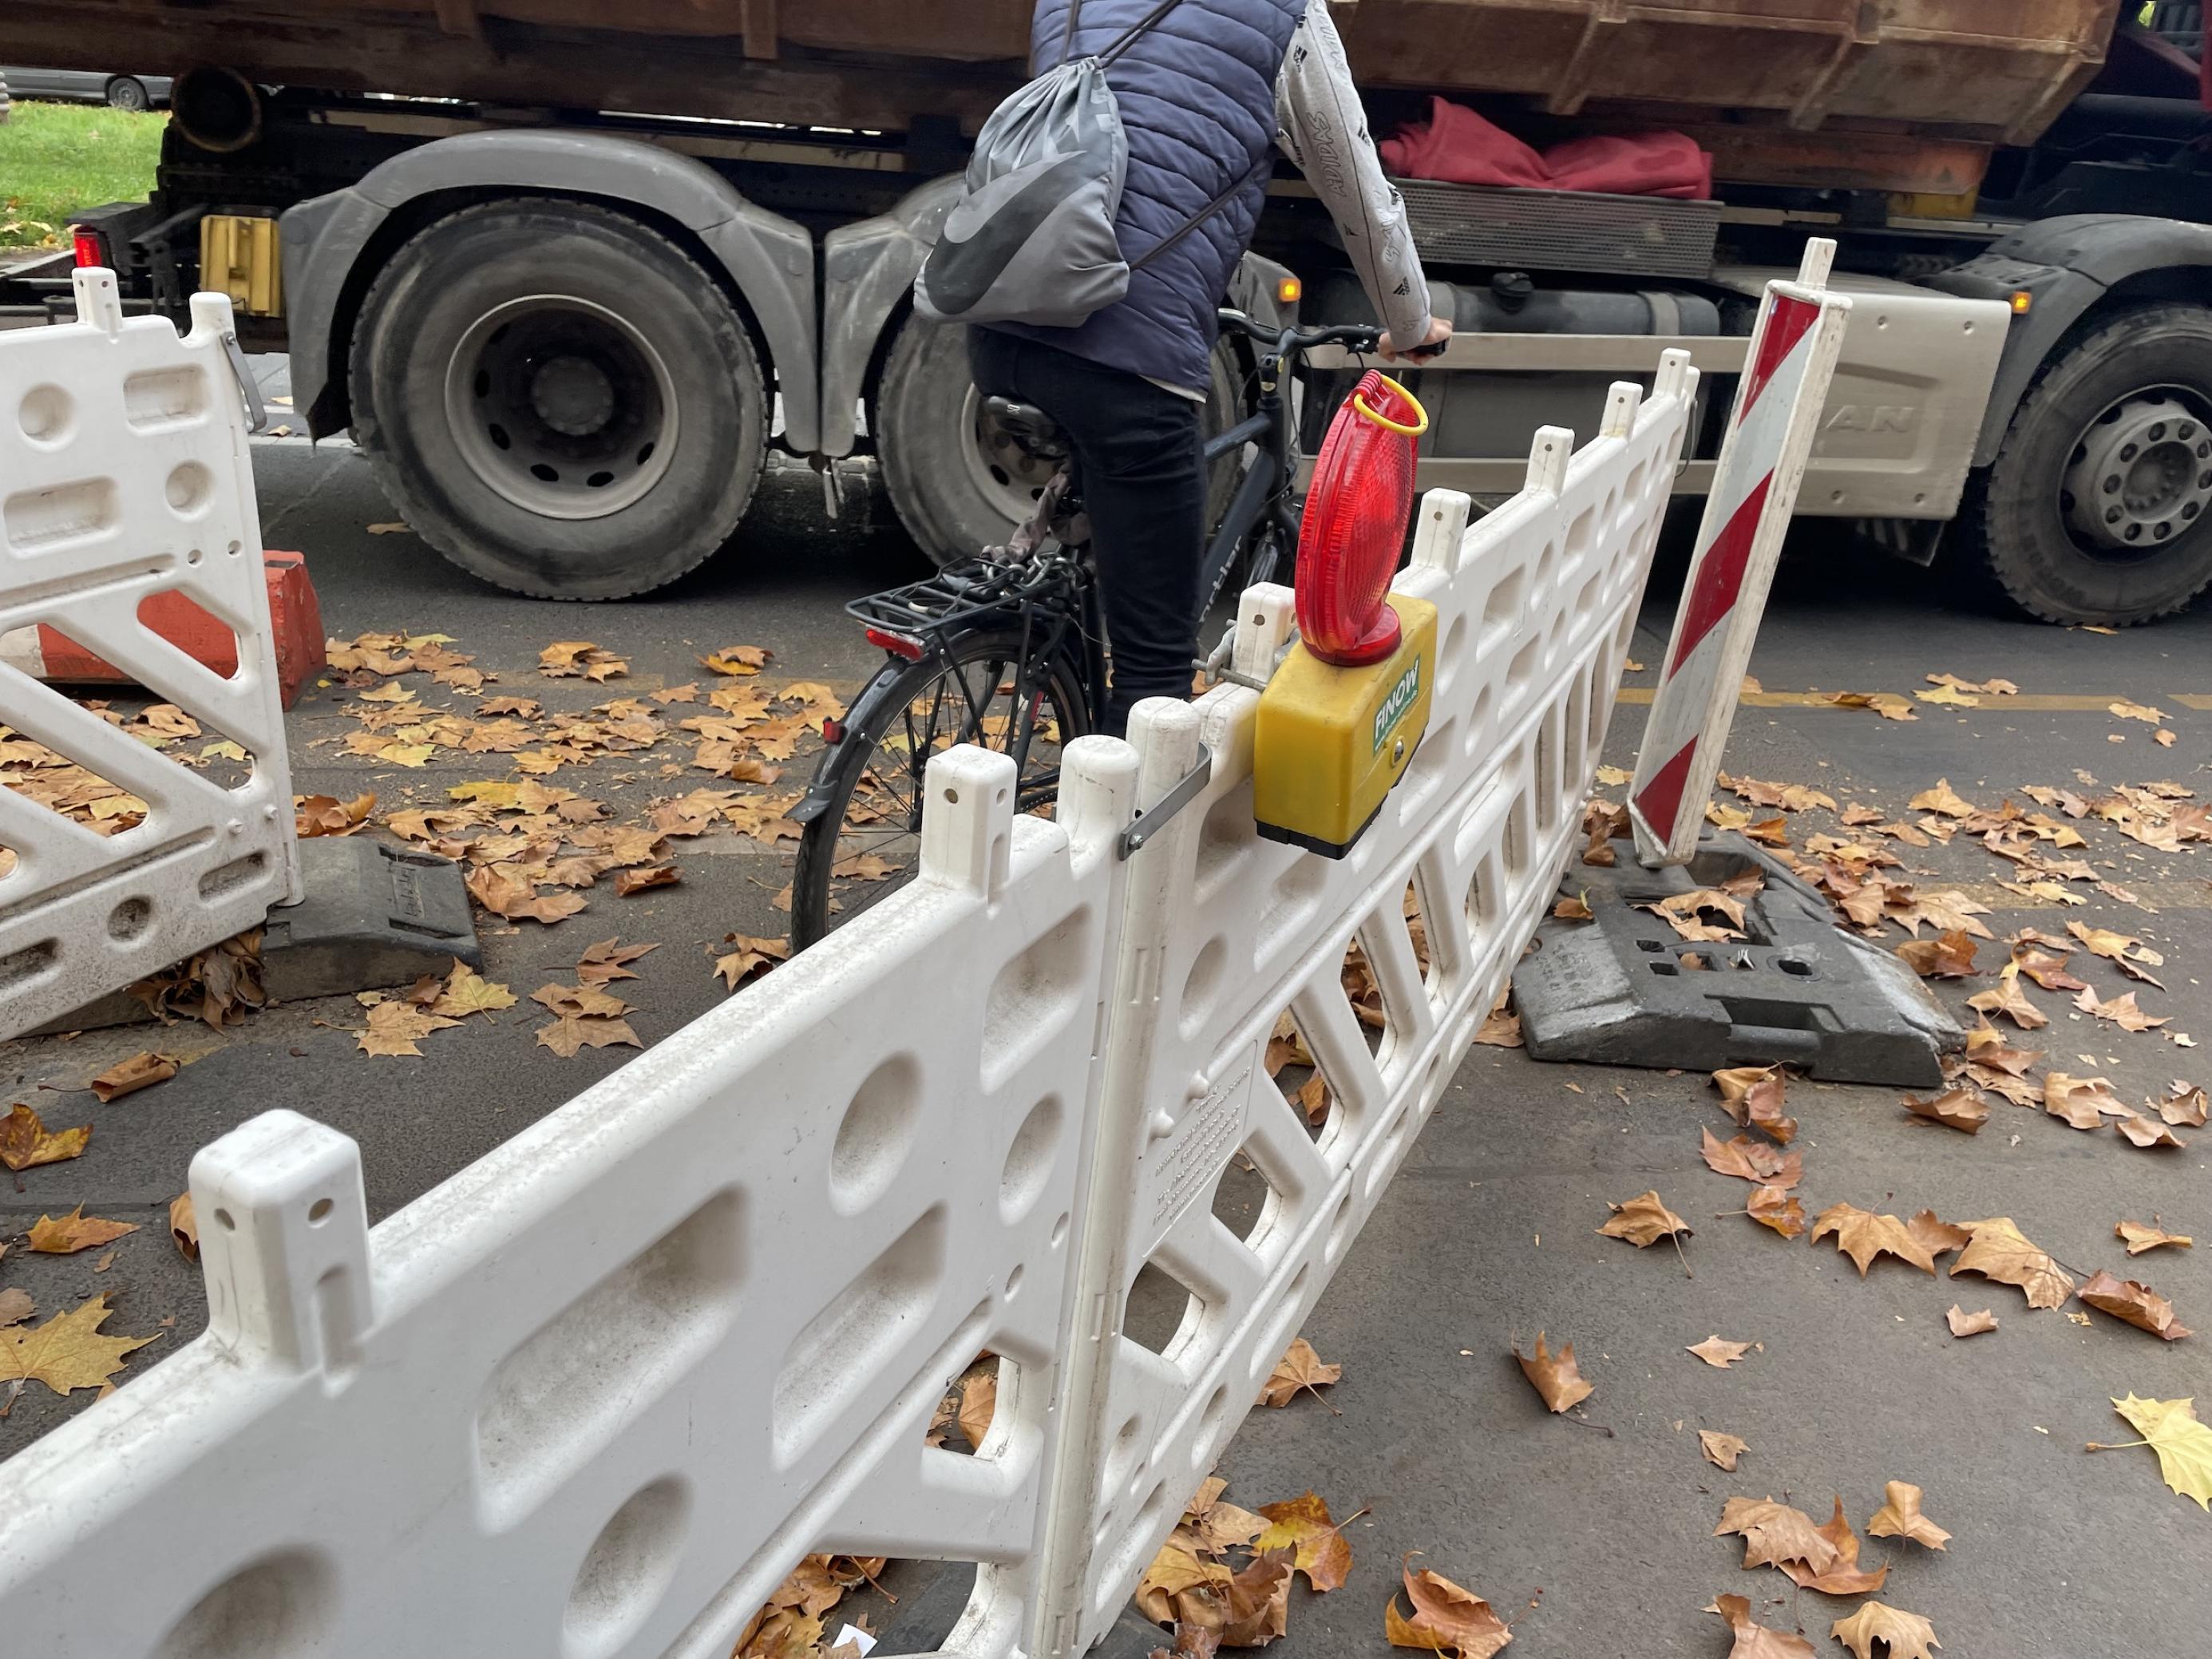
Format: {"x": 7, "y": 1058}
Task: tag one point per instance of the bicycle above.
{"x": 1007, "y": 650}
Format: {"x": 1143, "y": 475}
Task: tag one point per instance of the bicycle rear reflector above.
{"x": 1342, "y": 716}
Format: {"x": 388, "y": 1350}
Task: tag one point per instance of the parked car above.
{"x": 131, "y": 92}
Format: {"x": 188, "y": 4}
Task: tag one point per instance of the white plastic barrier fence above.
{"x": 124, "y": 474}
{"x": 599, "y": 1391}
{"x": 1794, "y": 347}
{"x": 1225, "y": 931}
{"x": 597, "y": 1394}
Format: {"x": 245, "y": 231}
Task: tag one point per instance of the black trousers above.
{"x": 1139, "y": 465}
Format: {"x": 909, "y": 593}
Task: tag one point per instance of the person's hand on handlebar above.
{"x": 1433, "y": 342}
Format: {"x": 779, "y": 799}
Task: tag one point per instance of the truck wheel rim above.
{"x": 1009, "y": 477}
{"x": 561, "y": 407}
{"x": 2140, "y": 475}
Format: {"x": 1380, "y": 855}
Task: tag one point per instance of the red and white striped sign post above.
{"x": 1793, "y": 348}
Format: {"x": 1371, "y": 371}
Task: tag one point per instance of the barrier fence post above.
{"x": 1793, "y": 348}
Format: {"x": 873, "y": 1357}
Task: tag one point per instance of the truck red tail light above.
{"x": 1355, "y": 522}
{"x": 90, "y": 245}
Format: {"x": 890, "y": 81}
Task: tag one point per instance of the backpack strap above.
{"x": 1068, "y": 40}
{"x": 1265, "y": 163}
{"x": 1129, "y": 38}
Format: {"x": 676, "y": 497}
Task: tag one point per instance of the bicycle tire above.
{"x": 866, "y": 727}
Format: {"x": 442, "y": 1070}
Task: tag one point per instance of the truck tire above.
{"x": 959, "y": 483}
{"x": 2099, "y": 506}
{"x": 559, "y": 398}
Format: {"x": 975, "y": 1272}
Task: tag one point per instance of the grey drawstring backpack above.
{"x": 1031, "y": 238}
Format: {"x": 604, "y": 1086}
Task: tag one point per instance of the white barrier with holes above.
{"x": 124, "y": 474}
{"x": 596, "y": 1394}
{"x": 1535, "y": 607}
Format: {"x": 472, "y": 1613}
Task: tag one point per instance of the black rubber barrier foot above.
{"x": 373, "y": 916}
{"x": 1616, "y": 990}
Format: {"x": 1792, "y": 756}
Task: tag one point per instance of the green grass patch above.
{"x": 58, "y": 158}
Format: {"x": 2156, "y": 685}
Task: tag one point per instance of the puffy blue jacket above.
{"x": 1197, "y": 94}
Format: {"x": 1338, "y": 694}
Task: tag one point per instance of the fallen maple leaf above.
{"x": 2137, "y": 711}
{"x": 636, "y": 881}
{"x": 2007, "y": 998}
{"x": 327, "y": 815}
{"x": 1863, "y": 1235}
{"x": 2121, "y": 1011}
{"x": 1887, "y": 704}
{"x": 2047, "y": 971}
{"x": 1774, "y": 1533}
{"x": 1754, "y": 1640}
{"x": 2002, "y": 1252}
{"x": 1899, "y": 1516}
{"x": 1843, "y": 1576}
{"x": 16, "y": 1306}
{"x": 2147, "y": 1131}
{"x": 394, "y": 1029}
{"x": 1722, "y": 1450}
{"x": 1752, "y": 1160}
{"x": 67, "y": 1353}
{"x": 737, "y": 659}
{"x": 566, "y": 659}
{"x": 1909, "y": 1635}
{"x": 1256, "y": 1603}
{"x": 1754, "y": 1097}
{"x": 752, "y": 956}
{"x": 1937, "y": 1238}
{"x": 503, "y": 895}
{"x": 1191, "y": 1642}
{"x": 1447, "y": 1617}
{"x": 184, "y": 1227}
{"x": 1500, "y": 1029}
{"x": 2141, "y": 1238}
{"x": 1944, "y": 800}
{"x": 1299, "y": 1370}
{"x": 66, "y": 1234}
{"x": 1574, "y": 907}
{"x": 1954, "y": 1109}
{"x": 1643, "y": 1221}
{"x": 1720, "y": 1353}
{"x": 467, "y": 992}
{"x": 1777, "y": 1207}
{"x": 1963, "y": 1323}
{"x": 1178, "y": 1573}
{"x": 1948, "y": 955}
{"x": 2137, "y": 1304}
{"x": 2183, "y": 1445}
{"x": 2083, "y": 1101}
{"x": 2184, "y": 1104}
{"x": 1212, "y": 1526}
{"x": 1556, "y": 1378}
{"x": 26, "y": 1142}
{"x": 140, "y": 1071}
{"x": 566, "y": 1035}
{"x": 1985, "y": 1046}
{"x": 1302, "y": 1524}
{"x": 979, "y": 1401}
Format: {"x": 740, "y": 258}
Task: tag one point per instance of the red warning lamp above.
{"x": 1356, "y": 514}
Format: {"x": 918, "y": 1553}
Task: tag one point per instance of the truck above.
{"x": 570, "y": 273}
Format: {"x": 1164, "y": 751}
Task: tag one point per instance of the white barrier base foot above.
{"x": 1624, "y": 989}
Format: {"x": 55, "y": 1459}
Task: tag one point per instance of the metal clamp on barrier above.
{"x": 1149, "y": 821}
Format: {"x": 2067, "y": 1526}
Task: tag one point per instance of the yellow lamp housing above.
{"x": 1331, "y": 742}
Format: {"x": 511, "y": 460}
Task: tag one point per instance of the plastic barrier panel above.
{"x": 1226, "y": 932}
{"x": 597, "y": 1394}
{"x": 124, "y": 478}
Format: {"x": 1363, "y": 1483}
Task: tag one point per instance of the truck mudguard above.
{"x": 2066, "y": 265}
{"x": 868, "y": 270}
{"x": 770, "y": 260}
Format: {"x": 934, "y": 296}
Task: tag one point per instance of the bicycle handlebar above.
{"x": 1295, "y": 342}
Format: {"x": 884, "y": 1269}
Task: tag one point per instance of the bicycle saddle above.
{"x": 1027, "y": 426}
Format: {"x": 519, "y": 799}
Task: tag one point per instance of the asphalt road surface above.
{"x": 1594, "y": 1541}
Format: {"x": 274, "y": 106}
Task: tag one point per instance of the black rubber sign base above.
{"x": 1796, "y": 988}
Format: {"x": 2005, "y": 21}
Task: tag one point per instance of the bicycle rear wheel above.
{"x": 866, "y": 842}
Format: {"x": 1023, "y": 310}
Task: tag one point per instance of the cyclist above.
{"x": 1205, "y": 93}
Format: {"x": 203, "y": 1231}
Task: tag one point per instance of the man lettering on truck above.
{"x": 1203, "y": 93}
